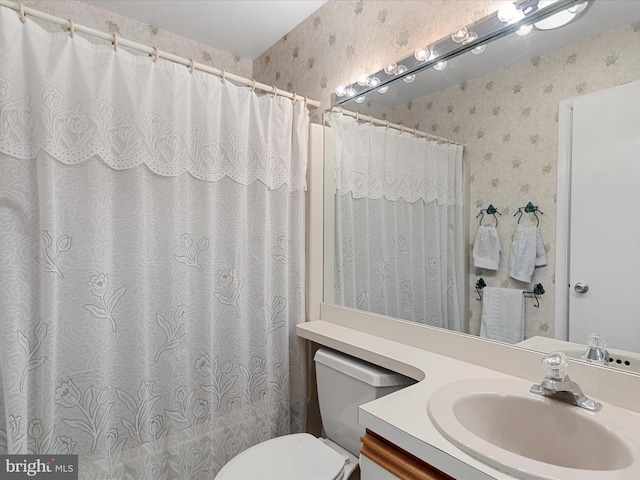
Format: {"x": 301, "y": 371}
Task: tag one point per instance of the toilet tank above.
{"x": 345, "y": 383}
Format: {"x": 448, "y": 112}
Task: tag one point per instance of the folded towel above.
{"x": 502, "y": 314}
{"x": 527, "y": 253}
{"x": 486, "y": 249}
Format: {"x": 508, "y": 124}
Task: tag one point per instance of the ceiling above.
{"x": 245, "y": 28}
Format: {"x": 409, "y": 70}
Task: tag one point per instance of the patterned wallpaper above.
{"x": 103, "y": 20}
{"x": 507, "y": 120}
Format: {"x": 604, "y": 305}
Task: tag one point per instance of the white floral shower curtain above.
{"x": 151, "y": 260}
{"x": 399, "y": 223}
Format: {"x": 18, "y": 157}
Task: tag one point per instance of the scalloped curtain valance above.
{"x": 75, "y": 100}
{"x": 376, "y": 162}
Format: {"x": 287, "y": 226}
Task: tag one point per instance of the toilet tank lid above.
{"x": 366, "y": 372}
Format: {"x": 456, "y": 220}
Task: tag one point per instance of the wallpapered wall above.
{"x": 103, "y": 20}
{"x": 507, "y": 120}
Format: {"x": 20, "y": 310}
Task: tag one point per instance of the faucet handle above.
{"x": 556, "y": 364}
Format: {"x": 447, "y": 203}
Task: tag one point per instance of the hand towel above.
{"x": 502, "y": 314}
{"x": 486, "y": 249}
{"x": 527, "y": 253}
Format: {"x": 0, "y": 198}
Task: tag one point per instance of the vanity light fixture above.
{"x": 561, "y": 18}
{"x": 422, "y": 53}
{"x": 473, "y": 36}
{"x": 391, "y": 69}
{"x": 507, "y": 12}
{"x": 524, "y": 30}
{"x": 517, "y": 16}
{"x": 460, "y": 35}
{"x": 440, "y": 65}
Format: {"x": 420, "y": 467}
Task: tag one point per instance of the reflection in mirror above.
{"x": 502, "y": 108}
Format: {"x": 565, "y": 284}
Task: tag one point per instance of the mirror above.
{"x": 502, "y": 107}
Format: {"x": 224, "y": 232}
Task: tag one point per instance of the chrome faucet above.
{"x": 596, "y": 352}
{"x": 559, "y": 386}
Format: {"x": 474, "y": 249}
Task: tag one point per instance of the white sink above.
{"x": 529, "y": 436}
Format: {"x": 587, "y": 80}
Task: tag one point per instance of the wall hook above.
{"x": 529, "y": 208}
{"x": 480, "y": 284}
{"x": 538, "y": 289}
{"x": 491, "y": 210}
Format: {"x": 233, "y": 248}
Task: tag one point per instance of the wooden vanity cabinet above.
{"x": 399, "y": 463}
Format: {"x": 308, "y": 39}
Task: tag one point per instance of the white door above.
{"x": 605, "y": 218}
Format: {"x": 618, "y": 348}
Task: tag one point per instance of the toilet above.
{"x": 344, "y": 383}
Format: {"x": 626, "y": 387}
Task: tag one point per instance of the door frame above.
{"x": 563, "y": 219}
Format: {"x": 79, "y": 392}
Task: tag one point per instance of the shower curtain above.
{"x": 151, "y": 260}
{"x": 398, "y": 224}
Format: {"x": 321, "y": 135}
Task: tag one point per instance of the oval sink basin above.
{"x": 529, "y": 436}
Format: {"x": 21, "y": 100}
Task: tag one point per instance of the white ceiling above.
{"x": 245, "y": 28}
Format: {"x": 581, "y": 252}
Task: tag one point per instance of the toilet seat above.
{"x": 291, "y": 457}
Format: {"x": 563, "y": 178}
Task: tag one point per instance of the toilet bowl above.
{"x": 344, "y": 383}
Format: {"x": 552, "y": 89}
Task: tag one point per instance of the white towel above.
{"x": 527, "y": 253}
{"x": 486, "y": 249}
{"x": 502, "y": 314}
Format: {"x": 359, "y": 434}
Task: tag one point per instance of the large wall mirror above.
{"x": 421, "y": 162}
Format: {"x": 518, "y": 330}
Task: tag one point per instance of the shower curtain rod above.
{"x": 152, "y": 51}
{"x": 395, "y": 126}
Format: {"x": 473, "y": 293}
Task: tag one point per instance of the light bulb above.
{"x": 421, "y": 54}
{"x": 391, "y": 69}
{"x": 524, "y": 30}
{"x": 374, "y": 81}
{"x": 506, "y": 12}
{"x": 519, "y": 15}
{"x": 577, "y": 8}
{"x": 440, "y": 66}
{"x": 409, "y": 78}
{"x": 363, "y": 80}
{"x": 341, "y": 91}
{"x": 479, "y": 49}
{"x": 350, "y": 92}
{"x": 460, "y": 35}
{"x": 401, "y": 69}
{"x": 360, "y": 99}
{"x": 384, "y": 89}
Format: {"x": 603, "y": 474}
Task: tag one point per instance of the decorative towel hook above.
{"x": 538, "y": 289}
{"x": 479, "y": 286}
{"x": 529, "y": 208}
{"x": 491, "y": 210}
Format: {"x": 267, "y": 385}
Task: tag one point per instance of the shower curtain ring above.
{"x": 21, "y": 14}
{"x": 115, "y": 41}
{"x": 253, "y": 85}
{"x": 305, "y": 101}
{"x": 72, "y": 28}
{"x": 387, "y": 125}
{"x": 274, "y": 91}
{"x": 156, "y": 54}
{"x": 401, "y": 128}
{"x": 191, "y": 65}
{"x": 223, "y": 75}
{"x": 294, "y": 99}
